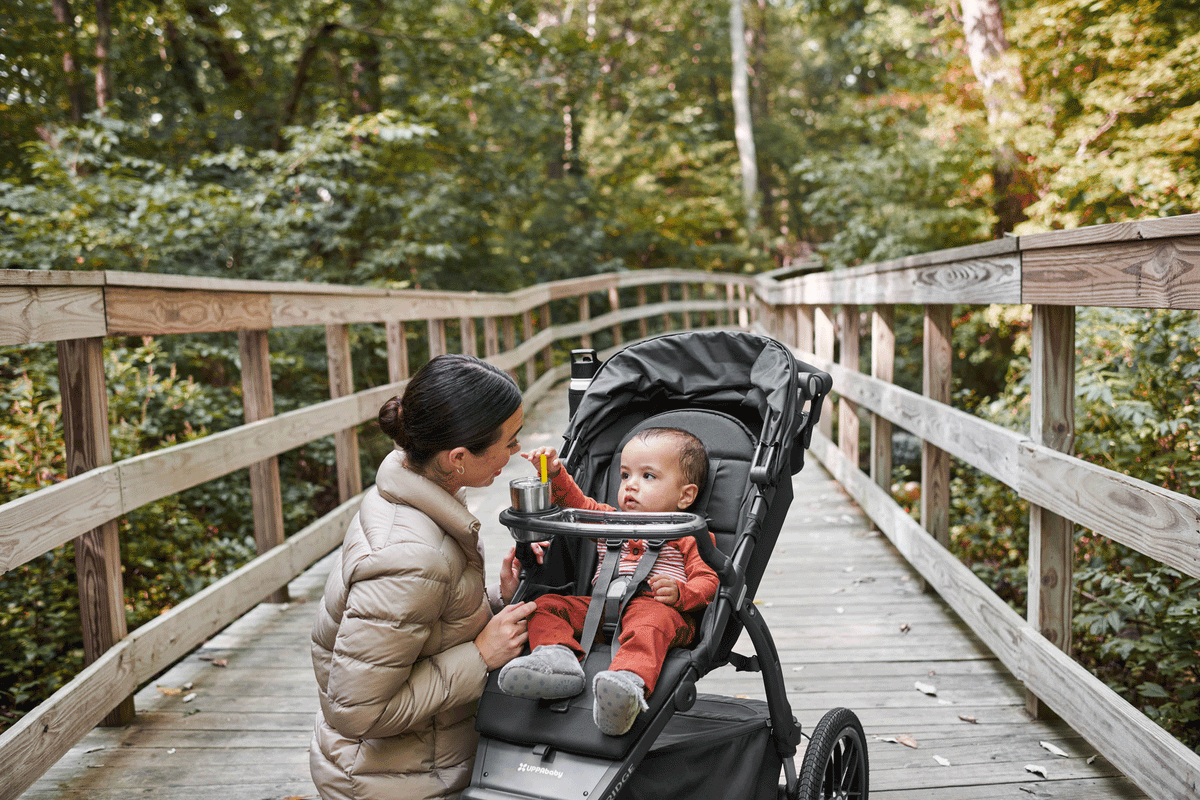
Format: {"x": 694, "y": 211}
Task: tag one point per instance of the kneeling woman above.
{"x": 407, "y": 633}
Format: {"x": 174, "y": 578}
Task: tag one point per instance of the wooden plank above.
{"x": 980, "y": 280}
{"x": 984, "y": 445}
{"x": 1051, "y": 577}
{"x": 41, "y": 737}
{"x": 258, "y": 402}
{"x": 37, "y": 523}
{"x": 1154, "y": 273}
{"x": 1164, "y": 525}
{"x": 1136, "y": 230}
{"x": 30, "y": 314}
{"x": 153, "y": 312}
{"x": 491, "y": 337}
{"x": 466, "y": 335}
{"x": 97, "y": 551}
{"x": 614, "y": 304}
{"x": 936, "y": 382}
{"x": 341, "y": 384}
{"x": 43, "y": 277}
{"x": 585, "y": 314}
{"x": 824, "y": 338}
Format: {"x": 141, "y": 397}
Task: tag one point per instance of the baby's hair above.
{"x": 693, "y": 457}
{"x": 452, "y": 401}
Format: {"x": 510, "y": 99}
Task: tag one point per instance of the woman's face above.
{"x": 481, "y": 470}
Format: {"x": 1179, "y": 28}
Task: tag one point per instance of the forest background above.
{"x": 464, "y": 144}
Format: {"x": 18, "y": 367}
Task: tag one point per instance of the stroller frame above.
{"x": 532, "y": 749}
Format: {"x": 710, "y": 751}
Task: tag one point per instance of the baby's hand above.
{"x": 553, "y": 465}
{"x": 666, "y": 590}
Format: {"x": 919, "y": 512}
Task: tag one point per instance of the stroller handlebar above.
{"x": 583, "y": 523}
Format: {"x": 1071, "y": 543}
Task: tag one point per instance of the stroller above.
{"x": 754, "y": 407}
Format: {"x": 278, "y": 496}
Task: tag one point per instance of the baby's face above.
{"x": 651, "y": 477}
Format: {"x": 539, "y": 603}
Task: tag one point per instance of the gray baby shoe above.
{"x": 620, "y": 697}
{"x": 550, "y": 672}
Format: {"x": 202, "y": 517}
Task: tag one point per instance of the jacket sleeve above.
{"x": 702, "y": 581}
{"x": 566, "y": 493}
{"x": 379, "y": 683}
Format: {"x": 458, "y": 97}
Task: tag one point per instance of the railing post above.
{"x": 258, "y": 402}
{"x": 823, "y": 334}
{"x": 341, "y": 383}
{"x": 805, "y": 328}
{"x": 935, "y": 462}
{"x": 849, "y": 357}
{"x": 397, "y": 349}
{"x": 614, "y": 304}
{"x": 789, "y": 332}
{"x": 643, "y": 323}
{"x": 437, "y": 338}
{"x": 527, "y": 332}
{"x": 687, "y": 315}
{"x": 466, "y": 334}
{"x": 97, "y": 552}
{"x": 743, "y": 312}
{"x": 1052, "y": 423}
{"x": 883, "y": 368}
{"x": 510, "y": 340}
{"x": 491, "y": 337}
{"x": 547, "y": 351}
{"x": 585, "y": 314}
{"x": 666, "y": 298}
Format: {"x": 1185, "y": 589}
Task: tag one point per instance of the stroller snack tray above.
{"x": 650, "y": 525}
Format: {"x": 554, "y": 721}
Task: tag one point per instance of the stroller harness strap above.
{"x": 591, "y": 623}
{"x": 609, "y": 596}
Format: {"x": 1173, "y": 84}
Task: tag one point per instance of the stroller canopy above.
{"x": 705, "y": 368}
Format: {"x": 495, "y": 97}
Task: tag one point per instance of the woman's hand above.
{"x": 510, "y": 570}
{"x": 553, "y": 465}
{"x": 664, "y": 589}
{"x": 504, "y": 637}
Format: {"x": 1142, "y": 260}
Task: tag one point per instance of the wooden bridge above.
{"x": 868, "y": 608}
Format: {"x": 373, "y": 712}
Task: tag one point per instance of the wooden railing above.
{"x": 78, "y": 310}
{"x": 1149, "y": 264}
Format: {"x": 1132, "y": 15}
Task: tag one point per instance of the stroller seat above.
{"x": 568, "y": 725}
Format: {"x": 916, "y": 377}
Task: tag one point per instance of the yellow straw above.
{"x": 545, "y": 478}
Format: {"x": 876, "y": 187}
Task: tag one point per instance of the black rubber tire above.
{"x": 835, "y": 763}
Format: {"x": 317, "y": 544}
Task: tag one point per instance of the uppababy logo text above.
{"x": 553, "y": 773}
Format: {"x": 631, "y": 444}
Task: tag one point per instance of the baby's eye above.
{"x": 648, "y": 476}
{"x": 624, "y": 475}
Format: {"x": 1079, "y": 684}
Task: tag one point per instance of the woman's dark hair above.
{"x": 452, "y": 401}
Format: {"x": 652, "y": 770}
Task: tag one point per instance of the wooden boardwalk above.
{"x": 232, "y": 720}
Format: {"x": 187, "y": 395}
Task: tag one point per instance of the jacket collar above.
{"x": 397, "y": 484}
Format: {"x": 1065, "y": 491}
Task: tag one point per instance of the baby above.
{"x": 662, "y": 469}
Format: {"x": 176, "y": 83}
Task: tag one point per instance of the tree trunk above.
{"x": 999, "y": 77}
{"x": 66, "y": 18}
{"x": 103, "y": 41}
{"x": 743, "y": 126}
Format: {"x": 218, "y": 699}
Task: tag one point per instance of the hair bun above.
{"x": 391, "y": 422}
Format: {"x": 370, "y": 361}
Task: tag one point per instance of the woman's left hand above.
{"x": 510, "y": 570}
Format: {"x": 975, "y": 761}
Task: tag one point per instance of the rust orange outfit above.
{"x": 648, "y": 627}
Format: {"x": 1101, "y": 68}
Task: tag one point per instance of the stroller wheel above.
{"x": 835, "y": 762}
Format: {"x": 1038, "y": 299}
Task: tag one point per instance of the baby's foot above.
{"x": 620, "y": 697}
{"x": 550, "y": 672}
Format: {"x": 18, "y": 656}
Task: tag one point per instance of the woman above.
{"x": 406, "y": 633}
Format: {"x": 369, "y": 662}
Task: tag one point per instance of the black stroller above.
{"x": 754, "y": 406}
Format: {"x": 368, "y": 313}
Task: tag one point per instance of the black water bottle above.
{"x": 584, "y": 364}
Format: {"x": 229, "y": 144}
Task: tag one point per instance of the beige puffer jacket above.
{"x": 397, "y": 669}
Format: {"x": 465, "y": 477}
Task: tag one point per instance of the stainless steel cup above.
{"x": 529, "y": 495}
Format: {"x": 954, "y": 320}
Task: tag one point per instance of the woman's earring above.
{"x": 460, "y": 469}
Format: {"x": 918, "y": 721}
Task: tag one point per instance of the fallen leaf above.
{"x": 1093, "y": 758}
{"x": 904, "y": 628}
{"x": 1055, "y": 749}
{"x": 171, "y": 751}
{"x": 903, "y": 739}
{"x": 187, "y": 698}
{"x": 169, "y": 691}
{"x": 187, "y": 687}
{"x": 1026, "y": 790}
{"x": 945, "y": 762}
{"x": 220, "y": 662}
{"x": 928, "y": 689}
{"x": 971, "y": 720}
{"x": 1036, "y": 769}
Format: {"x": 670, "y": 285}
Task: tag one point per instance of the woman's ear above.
{"x": 687, "y": 495}
{"x": 455, "y": 460}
